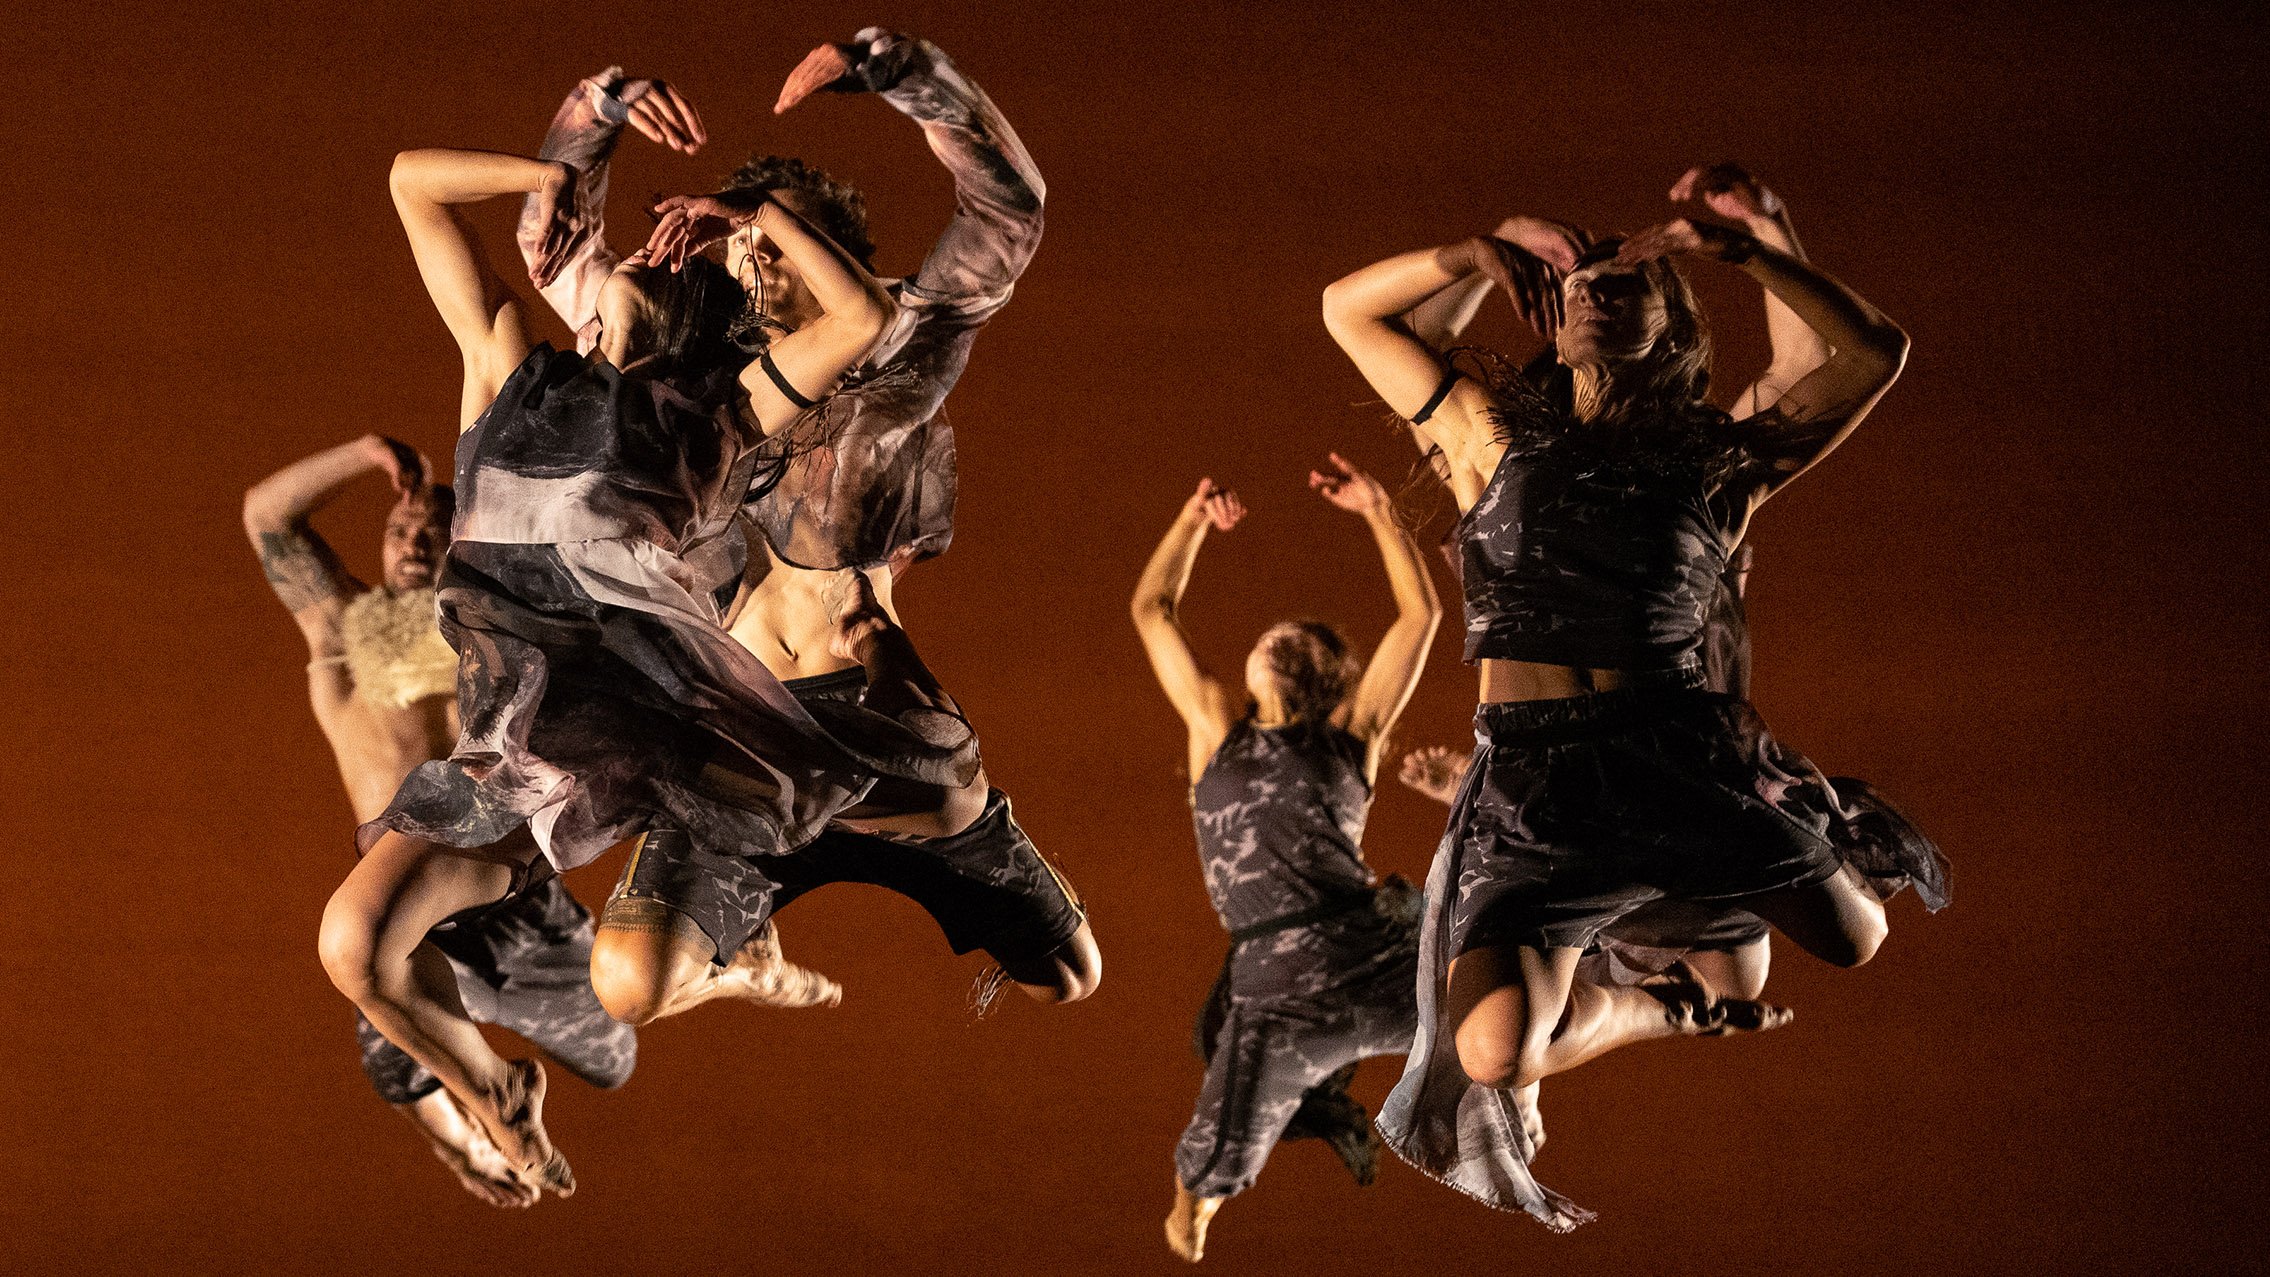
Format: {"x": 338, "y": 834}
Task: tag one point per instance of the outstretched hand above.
{"x": 664, "y": 115}
{"x": 1728, "y": 190}
{"x": 1434, "y": 771}
{"x": 1215, "y": 505}
{"x": 819, "y": 69}
{"x": 1348, "y": 488}
{"x": 686, "y": 224}
{"x": 565, "y": 227}
{"x": 1686, "y": 238}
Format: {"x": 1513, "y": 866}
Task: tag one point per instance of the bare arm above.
{"x": 1394, "y": 673}
{"x": 482, "y": 312}
{"x": 307, "y": 576}
{"x": 1816, "y": 414}
{"x": 856, "y": 310}
{"x": 1363, "y": 312}
{"x": 1730, "y": 191}
{"x": 1525, "y": 256}
{"x": 1197, "y": 696}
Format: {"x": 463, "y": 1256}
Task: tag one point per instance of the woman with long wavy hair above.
{"x": 1598, "y": 516}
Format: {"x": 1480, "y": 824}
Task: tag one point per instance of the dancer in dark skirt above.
{"x": 600, "y": 694}
{"x": 864, "y": 484}
{"x": 1727, "y": 950}
{"x": 1606, "y": 778}
{"x": 1321, "y": 959}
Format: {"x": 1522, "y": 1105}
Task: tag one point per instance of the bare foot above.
{"x": 519, "y": 1129}
{"x": 1690, "y": 1007}
{"x": 1187, "y": 1220}
{"x": 462, "y": 1146}
{"x": 760, "y": 974}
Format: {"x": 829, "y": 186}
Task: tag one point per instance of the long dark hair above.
{"x": 693, "y": 310}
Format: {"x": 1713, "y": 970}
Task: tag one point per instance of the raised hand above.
{"x": 405, "y": 466}
{"x": 1214, "y": 505}
{"x": 1349, "y": 488}
{"x": 565, "y": 227}
{"x": 659, "y": 111}
{"x": 1434, "y": 771}
{"x": 1557, "y": 244}
{"x": 686, "y": 224}
{"x": 1728, "y": 190}
{"x": 1686, "y": 238}
{"x": 819, "y": 69}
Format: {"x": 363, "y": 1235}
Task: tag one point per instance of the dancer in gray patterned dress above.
{"x": 1321, "y": 962}
{"x": 1597, "y": 527}
{"x": 865, "y": 484}
{"x": 601, "y": 696}
{"x": 383, "y": 685}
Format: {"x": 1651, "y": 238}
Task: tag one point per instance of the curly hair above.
{"x": 837, "y": 208}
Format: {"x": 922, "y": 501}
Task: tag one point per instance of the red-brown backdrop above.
{"x": 2025, "y": 599}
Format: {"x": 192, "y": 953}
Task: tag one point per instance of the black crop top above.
{"x": 1573, "y": 555}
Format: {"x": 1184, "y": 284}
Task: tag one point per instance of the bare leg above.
{"x": 1069, "y": 974}
{"x": 467, "y": 1151}
{"x": 374, "y": 947}
{"x": 1733, "y": 973}
{"x": 1838, "y": 921}
{"x": 1522, "y": 1014}
{"x": 1187, "y": 1221}
{"x": 650, "y": 961}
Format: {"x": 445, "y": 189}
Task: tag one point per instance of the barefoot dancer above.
{"x": 867, "y": 488}
{"x": 1320, "y": 968}
{"x": 383, "y": 685}
{"x": 1594, "y": 534}
{"x": 1725, "y": 949}
{"x": 600, "y": 693}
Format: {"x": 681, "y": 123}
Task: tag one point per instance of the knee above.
{"x": 633, "y": 981}
{"x": 1075, "y": 970}
{"x": 348, "y": 946}
{"x": 1861, "y": 940}
{"x": 1495, "y": 1053}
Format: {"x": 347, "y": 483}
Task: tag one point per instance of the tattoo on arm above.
{"x": 301, "y": 569}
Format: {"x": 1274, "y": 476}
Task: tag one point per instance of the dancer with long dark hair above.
{"x": 600, "y": 694}
{"x": 863, "y": 484}
{"x": 1595, "y": 530}
{"x": 1321, "y": 958}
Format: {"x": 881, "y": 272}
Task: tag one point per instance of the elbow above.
{"x": 872, "y": 315}
{"x": 402, "y": 175}
{"x": 1339, "y": 308}
{"x": 1149, "y": 607}
{"x": 260, "y": 514}
{"x": 1888, "y": 342}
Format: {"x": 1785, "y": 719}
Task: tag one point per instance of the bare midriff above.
{"x": 1530, "y": 681}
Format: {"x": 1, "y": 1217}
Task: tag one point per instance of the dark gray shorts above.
{"x": 988, "y": 887}
{"x": 523, "y": 963}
